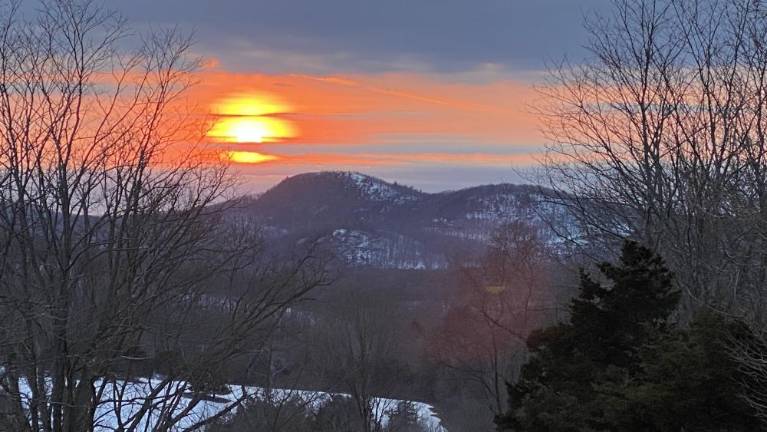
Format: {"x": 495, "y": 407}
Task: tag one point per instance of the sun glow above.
{"x": 248, "y": 157}
{"x": 244, "y": 129}
{"x": 251, "y": 119}
{"x": 251, "y": 104}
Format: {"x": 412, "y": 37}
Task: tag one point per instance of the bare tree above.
{"x": 356, "y": 349}
{"x": 749, "y": 350}
{"x": 110, "y": 226}
{"x": 503, "y": 296}
{"x": 660, "y": 136}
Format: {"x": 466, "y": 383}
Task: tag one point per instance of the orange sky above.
{"x": 380, "y": 87}
{"x": 358, "y": 110}
{"x": 354, "y": 122}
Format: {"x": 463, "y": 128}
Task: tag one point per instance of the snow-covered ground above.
{"x": 143, "y": 403}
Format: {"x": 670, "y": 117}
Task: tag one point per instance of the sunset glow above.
{"x": 251, "y": 104}
{"x": 248, "y": 157}
{"x": 251, "y": 119}
{"x": 275, "y": 125}
{"x": 243, "y": 130}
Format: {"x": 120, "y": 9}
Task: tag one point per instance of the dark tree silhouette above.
{"x": 619, "y": 364}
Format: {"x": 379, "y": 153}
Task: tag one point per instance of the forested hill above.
{"x": 373, "y": 222}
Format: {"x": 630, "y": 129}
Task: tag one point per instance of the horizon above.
{"x": 439, "y": 101}
{"x": 269, "y": 186}
{"x": 265, "y": 182}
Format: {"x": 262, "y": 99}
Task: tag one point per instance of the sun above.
{"x": 248, "y": 157}
{"x": 244, "y": 130}
{"x": 251, "y": 104}
{"x": 251, "y": 119}
{"x": 249, "y": 130}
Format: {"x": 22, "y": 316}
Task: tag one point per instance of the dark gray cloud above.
{"x": 320, "y": 36}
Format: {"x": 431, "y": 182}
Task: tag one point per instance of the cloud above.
{"x": 383, "y": 124}
{"x": 392, "y": 109}
{"x": 352, "y": 36}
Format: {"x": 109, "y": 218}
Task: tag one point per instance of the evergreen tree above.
{"x": 608, "y": 325}
{"x": 686, "y": 381}
{"x": 620, "y": 365}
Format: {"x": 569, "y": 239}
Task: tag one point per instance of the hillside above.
{"x": 377, "y": 223}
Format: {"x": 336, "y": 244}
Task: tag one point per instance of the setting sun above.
{"x": 247, "y": 129}
{"x": 251, "y": 104}
{"x": 248, "y": 157}
{"x": 251, "y": 119}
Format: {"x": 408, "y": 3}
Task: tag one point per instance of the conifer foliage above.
{"x": 621, "y": 364}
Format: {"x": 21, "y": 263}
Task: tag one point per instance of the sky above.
{"x": 437, "y": 94}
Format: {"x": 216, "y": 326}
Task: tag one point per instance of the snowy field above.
{"x": 141, "y": 404}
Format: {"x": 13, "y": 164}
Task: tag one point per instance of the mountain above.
{"x": 373, "y": 222}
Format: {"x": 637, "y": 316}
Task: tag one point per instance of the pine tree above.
{"x": 620, "y": 365}
{"x": 608, "y": 326}
{"x": 686, "y": 381}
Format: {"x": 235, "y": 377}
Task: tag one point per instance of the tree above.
{"x": 608, "y": 326}
{"x": 339, "y": 413}
{"x": 660, "y": 136}
{"x": 113, "y": 232}
{"x": 356, "y": 347}
{"x": 620, "y": 364}
{"x": 291, "y": 414}
{"x": 747, "y": 349}
{"x": 687, "y": 381}
{"x": 404, "y": 418}
{"x": 502, "y": 297}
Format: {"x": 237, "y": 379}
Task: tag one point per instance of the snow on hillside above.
{"x": 360, "y": 248}
{"x": 498, "y": 207}
{"x": 380, "y": 224}
{"x": 378, "y": 190}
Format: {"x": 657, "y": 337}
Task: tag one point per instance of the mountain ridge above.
{"x": 377, "y": 223}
